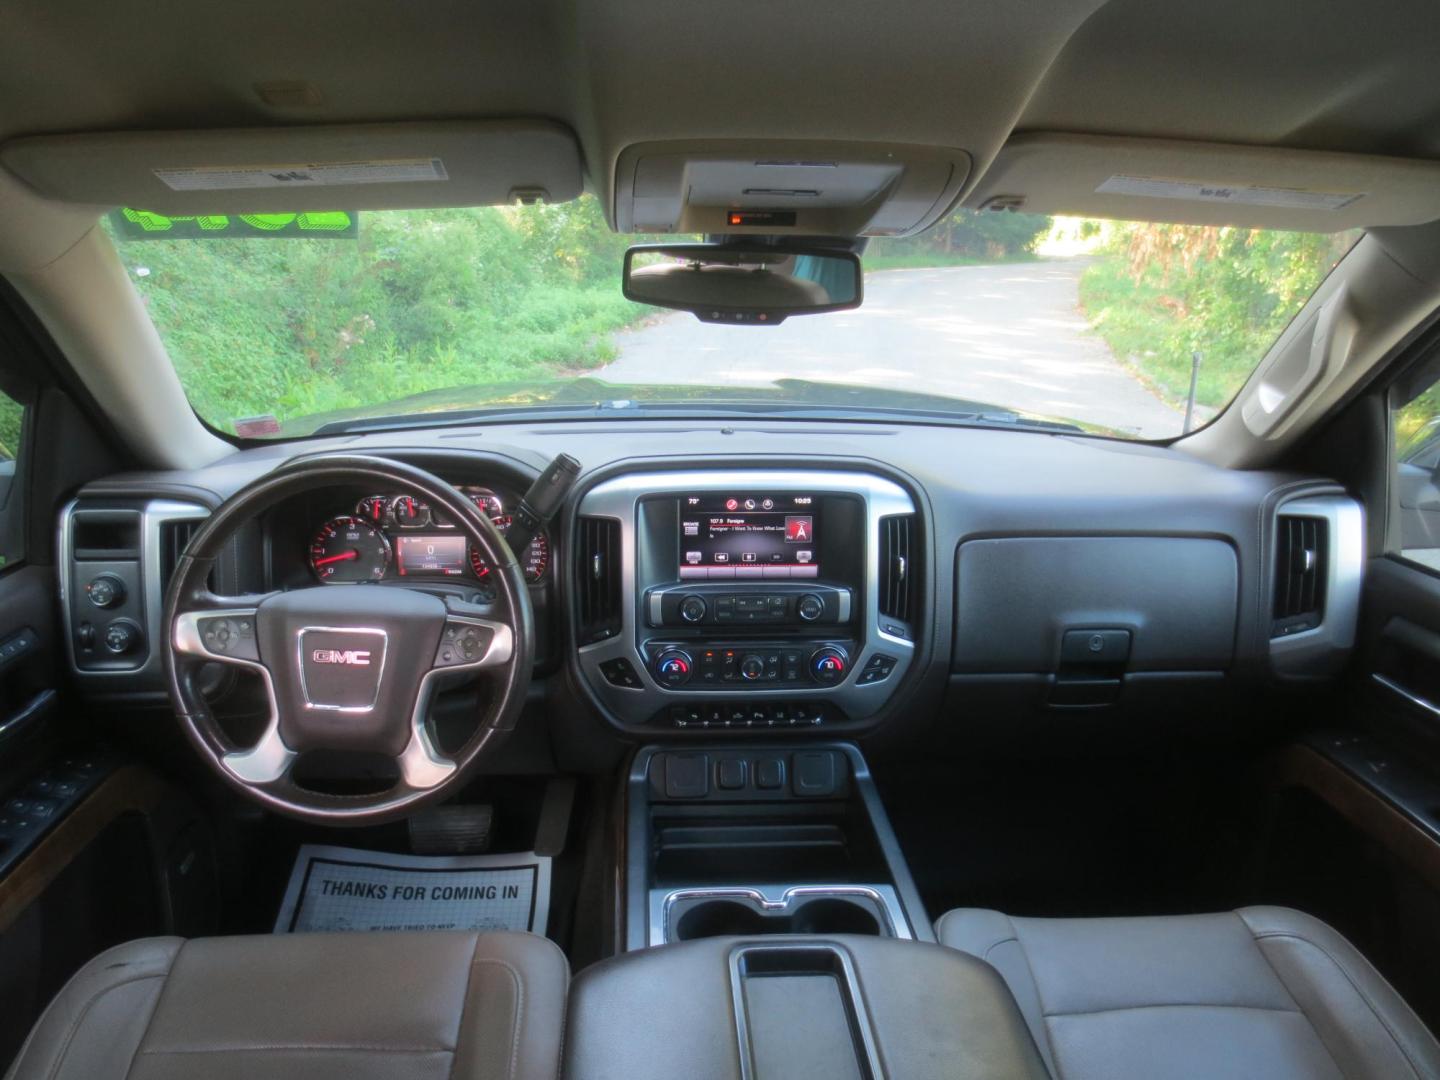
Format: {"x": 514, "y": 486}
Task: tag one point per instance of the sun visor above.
{"x": 1195, "y": 183}
{"x": 354, "y": 167}
{"x": 796, "y": 188}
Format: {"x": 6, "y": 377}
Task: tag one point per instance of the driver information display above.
{"x": 748, "y": 536}
{"x": 430, "y": 554}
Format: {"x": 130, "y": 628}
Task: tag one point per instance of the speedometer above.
{"x": 534, "y": 562}
{"x": 348, "y": 549}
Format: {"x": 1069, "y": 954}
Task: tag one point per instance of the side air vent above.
{"x": 597, "y": 578}
{"x": 1302, "y": 558}
{"x": 898, "y": 574}
{"x": 174, "y": 539}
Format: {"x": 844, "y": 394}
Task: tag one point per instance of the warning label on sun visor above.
{"x": 311, "y": 174}
{"x": 1238, "y": 194}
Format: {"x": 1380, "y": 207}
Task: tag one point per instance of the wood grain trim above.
{"x": 130, "y": 789}
{"x": 1371, "y": 813}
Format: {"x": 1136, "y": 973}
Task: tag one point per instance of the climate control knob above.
{"x": 693, "y": 608}
{"x": 752, "y": 667}
{"x": 828, "y": 665}
{"x": 673, "y": 667}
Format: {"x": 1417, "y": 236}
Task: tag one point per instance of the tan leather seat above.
{"x": 1260, "y": 992}
{"x": 312, "y": 1006}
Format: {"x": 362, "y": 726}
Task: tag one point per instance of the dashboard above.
{"x": 791, "y": 578}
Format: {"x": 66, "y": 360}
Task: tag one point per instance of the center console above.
{"x": 753, "y": 600}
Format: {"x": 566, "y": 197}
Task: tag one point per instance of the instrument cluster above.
{"x": 399, "y": 536}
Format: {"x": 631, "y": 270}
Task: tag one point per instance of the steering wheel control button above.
{"x": 673, "y": 667}
{"x": 618, "y": 672}
{"x": 230, "y": 636}
{"x": 828, "y": 665}
{"x": 693, "y": 609}
{"x": 461, "y": 644}
{"x": 810, "y": 607}
{"x": 105, "y": 591}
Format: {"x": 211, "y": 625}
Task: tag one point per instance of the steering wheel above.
{"x": 346, "y": 667}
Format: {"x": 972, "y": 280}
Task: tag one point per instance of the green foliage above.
{"x": 1159, "y": 293}
{"x": 423, "y": 300}
{"x": 12, "y": 420}
{"x": 964, "y": 238}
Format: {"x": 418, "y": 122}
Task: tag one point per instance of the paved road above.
{"x": 1009, "y": 335}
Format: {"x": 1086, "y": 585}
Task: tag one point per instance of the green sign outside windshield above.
{"x": 148, "y": 225}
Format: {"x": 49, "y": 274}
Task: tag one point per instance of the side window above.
{"x": 1415, "y": 420}
{"x": 13, "y": 416}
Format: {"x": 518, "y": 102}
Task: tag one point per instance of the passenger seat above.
{"x": 1260, "y": 992}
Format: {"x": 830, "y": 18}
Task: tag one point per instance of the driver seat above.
{"x": 423, "y": 1006}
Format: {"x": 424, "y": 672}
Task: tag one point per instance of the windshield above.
{"x": 326, "y": 321}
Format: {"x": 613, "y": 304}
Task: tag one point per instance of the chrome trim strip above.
{"x": 269, "y": 759}
{"x": 153, "y": 514}
{"x": 300, "y": 662}
{"x": 618, "y": 498}
{"x": 1323, "y": 650}
{"x": 774, "y": 898}
{"x": 1422, "y": 703}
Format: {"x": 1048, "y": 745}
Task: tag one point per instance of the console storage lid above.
{"x": 826, "y": 1008}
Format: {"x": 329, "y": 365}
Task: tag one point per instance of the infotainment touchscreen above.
{"x": 749, "y": 535}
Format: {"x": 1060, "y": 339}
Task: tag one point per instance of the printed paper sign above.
{"x": 341, "y": 889}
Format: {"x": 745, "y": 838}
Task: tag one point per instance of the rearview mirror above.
{"x": 742, "y": 284}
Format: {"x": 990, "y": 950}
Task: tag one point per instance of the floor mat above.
{"x": 337, "y": 888}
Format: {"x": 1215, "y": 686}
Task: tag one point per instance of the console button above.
{"x": 618, "y": 672}
{"x": 769, "y": 773}
{"x": 687, "y": 776}
{"x": 730, "y": 775}
{"x": 810, "y": 607}
{"x": 693, "y": 608}
{"x": 815, "y": 773}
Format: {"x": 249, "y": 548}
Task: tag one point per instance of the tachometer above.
{"x": 348, "y": 549}
{"x": 534, "y": 562}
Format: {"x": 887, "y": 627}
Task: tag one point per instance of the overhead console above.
{"x": 804, "y": 188}
{"x": 746, "y": 600}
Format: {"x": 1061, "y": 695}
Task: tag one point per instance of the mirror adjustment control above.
{"x": 828, "y": 665}
{"x": 105, "y": 591}
{"x": 673, "y": 667}
{"x": 693, "y": 608}
{"x": 121, "y": 637}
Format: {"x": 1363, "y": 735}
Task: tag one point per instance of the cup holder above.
{"x": 694, "y": 917}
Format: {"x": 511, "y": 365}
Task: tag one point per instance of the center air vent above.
{"x": 898, "y": 574}
{"x": 175, "y": 536}
{"x": 597, "y": 578}
{"x": 1301, "y": 560}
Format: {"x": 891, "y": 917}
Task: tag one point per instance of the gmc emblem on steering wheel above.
{"x": 356, "y": 657}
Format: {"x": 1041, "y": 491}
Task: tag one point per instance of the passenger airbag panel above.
{"x": 1016, "y": 597}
